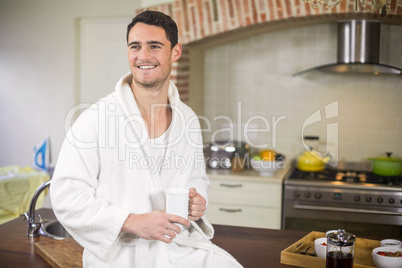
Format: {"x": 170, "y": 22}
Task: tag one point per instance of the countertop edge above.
{"x": 249, "y": 175}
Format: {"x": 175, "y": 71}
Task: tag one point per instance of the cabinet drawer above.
{"x": 258, "y": 217}
{"x": 244, "y": 193}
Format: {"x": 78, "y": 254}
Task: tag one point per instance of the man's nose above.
{"x": 145, "y": 53}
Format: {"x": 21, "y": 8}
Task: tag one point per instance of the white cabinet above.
{"x": 245, "y": 199}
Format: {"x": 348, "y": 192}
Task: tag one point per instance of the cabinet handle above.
{"x": 230, "y": 210}
{"x": 231, "y": 185}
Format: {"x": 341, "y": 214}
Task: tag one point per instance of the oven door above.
{"x": 315, "y": 216}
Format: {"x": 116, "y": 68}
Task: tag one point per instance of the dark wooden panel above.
{"x": 252, "y": 247}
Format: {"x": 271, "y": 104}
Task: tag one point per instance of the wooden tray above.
{"x": 362, "y": 259}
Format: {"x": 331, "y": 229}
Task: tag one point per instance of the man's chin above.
{"x": 151, "y": 85}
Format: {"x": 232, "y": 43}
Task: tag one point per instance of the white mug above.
{"x": 177, "y": 202}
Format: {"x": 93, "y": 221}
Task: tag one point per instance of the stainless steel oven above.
{"x": 358, "y": 201}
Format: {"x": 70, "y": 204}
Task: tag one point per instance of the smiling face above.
{"x": 150, "y": 56}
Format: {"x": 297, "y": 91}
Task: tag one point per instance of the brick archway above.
{"x": 203, "y": 19}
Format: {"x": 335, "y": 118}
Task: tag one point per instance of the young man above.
{"x": 123, "y": 153}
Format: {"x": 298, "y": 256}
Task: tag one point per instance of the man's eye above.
{"x": 155, "y": 46}
{"x": 134, "y": 47}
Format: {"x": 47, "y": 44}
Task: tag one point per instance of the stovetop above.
{"x": 345, "y": 176}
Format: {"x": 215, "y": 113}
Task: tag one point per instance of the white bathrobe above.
{"x": 104, "y": 172}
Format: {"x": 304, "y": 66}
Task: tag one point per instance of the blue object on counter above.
{"x": 42, "y": 155}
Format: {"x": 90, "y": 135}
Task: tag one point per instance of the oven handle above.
{"x": 338, "y": 209}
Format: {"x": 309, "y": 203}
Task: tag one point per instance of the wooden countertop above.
{"x": 252, "y": 247}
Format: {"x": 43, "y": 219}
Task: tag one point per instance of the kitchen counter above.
{"x": 249, "y": 174}
{"x": 252, "y": 247}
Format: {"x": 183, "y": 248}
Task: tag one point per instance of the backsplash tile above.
{"x": 254, "y": 75}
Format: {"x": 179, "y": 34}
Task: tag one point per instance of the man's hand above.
{"x": 196, "y": 206}
{"x": 154, "y": 225}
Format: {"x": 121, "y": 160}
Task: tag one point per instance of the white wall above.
{"x": 256, "y": 72}
{"x": 38, "y": 69}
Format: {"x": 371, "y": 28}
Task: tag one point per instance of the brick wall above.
{"x": 198, "y": 19}
{"x": 181, "y": 74}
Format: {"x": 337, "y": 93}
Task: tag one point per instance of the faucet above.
{"x": 33, "y": 225}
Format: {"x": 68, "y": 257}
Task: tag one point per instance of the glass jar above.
{"x": 340, "y": 249}
{"x": 238, "y": 163}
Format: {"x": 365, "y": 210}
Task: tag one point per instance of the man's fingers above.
{"x": 192, "y": 192}
{"x": 175, "y": 228}
{"x": 154, "y": 225}
{"x": 170, "y": 234}
{"x": 191, "y": 218}
{"x": 197, "y": 200}
{"x": 165, "y": 239}
{"x": 200, "y": 207}
{"x": 196, "y": 213}
{"x": 177, "y": 219}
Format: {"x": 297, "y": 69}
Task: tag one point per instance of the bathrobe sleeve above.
{"x": 94, "y": 222}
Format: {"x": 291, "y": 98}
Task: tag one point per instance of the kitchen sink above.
{"x": 54, "y": 230}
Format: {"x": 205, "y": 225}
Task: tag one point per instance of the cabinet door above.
{"x": 244, "y": 193}
{"x": 245, "y": 216}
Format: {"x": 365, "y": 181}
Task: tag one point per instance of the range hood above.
{"x": 358, "y": 50}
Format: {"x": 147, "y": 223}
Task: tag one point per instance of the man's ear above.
{"x": 176, "y": 52}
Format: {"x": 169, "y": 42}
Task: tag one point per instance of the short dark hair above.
{"x": 159, "y": 19}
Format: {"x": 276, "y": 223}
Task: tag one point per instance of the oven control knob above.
{"x": 317, "y": 196}
{"x": 368, "y": 199}
{"x": 357, "y": 198}
{"x": 391, "y": 200}
{"x": 306, "y": 195}
{"x": 379, "y": 200}
{"x": 296, "y": 194}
